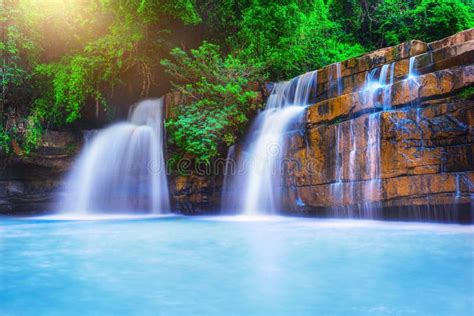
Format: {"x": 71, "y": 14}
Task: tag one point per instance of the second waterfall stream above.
{"x": 254, "y": 186}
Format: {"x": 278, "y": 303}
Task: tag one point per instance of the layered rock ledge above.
{"x": 28, "y": 185}
{"x": 403, "y": 150}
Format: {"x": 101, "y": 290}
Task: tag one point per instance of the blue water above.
{"x": 232, "y": 266}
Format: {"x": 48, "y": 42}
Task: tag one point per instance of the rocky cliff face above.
{"x": 28, "y": 185}
{"x": 403, "y": 149}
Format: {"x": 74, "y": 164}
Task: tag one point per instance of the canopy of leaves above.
{"x": 288, "y": 37}
{"x": 81, "y": 50}
{"x": 217, "y": 100}
{"x": 62, "y": 58}
{"x": 380, "y": 23}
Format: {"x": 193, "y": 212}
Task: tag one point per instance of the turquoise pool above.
{"x": 234, "y": 266}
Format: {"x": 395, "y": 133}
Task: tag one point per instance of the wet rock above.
{"x": 423, "y": 145}
{"x": 28, "y": 183}
{"x": 461, "y": 37}
{"x": 194, "y": 194}
{"x": 425, "y": 61}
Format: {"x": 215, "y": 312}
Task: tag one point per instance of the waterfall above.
{"x": 375, "y": 79}
{"x": 370, "y": 84}
{"x": 255, "y": 189}
{"x": 383, "y": 75}
{"x": 335, "y": 80}
{"x": 413, "y": 84}
{"x": 88, "y": 135}
{"x": 373, "y": 184}
{"x": 229, "y": 172}
{"x": 387, "y": 90}
{"x": 373, "y": 84}
{"x": 411, "y": 68}
{"x": 352, "y": 166}
{"x": 337, "y": 189}
{"x": 121, "y": 168}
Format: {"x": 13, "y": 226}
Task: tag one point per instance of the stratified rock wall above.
{"x": 28, "y": 184}
{"x": 404, "y": 150}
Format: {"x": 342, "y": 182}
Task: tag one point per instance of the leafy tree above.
{"x": 288, "y": 37}
{"x": 16, "y": 51}
{"x": 217, "y": 100}
{"x": 436, "y": 19}
{"x": 95, "y": 44}
{"x": 380, "y": 23}
{"x": 134, "y": 37}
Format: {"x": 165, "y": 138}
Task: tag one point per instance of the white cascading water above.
{"x": 387, "y": 95}
{"x": 256, "y": 188}
{"x": 335, "y": 80}
{"x": 122, "y": 168}
{"x": 375, "y": 79}
{"x": 336, "y": 189}
{"x": 372, "y": 154}
{"x": 411, "y": 68}
{"x": 372, "y": 163}
{"x": 372, "y": 85}
{"x": 352, "y": 168}
{"x": 229, "y": 172}
{"x": 413, "y": 84}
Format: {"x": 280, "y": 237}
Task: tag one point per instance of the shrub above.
{"x": 217, "y": 101}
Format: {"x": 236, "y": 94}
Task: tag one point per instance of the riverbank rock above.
{"x": 404, "y": 150}
{"x": 28, "y": 184}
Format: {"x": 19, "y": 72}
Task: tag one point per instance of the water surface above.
{"x": 234, "y": 266}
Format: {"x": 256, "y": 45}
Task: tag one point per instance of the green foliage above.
{"x": 33, "y": 134}
{"x": 16, "y": 49}
{"x": 467, "y": 93}
{"x": 288, "y": 37}
{"x": 72, "y": 82}
{"x": 216, "y": 100}
{"x": 25, "y": 140}
{"x": 75, "y": 51}
{"x": 5, "y": 140}
{"x": 426, "y": 20}
{"x": 60, "y": 57}
{"x": 82, "y": 76}
{"x": 435, "y": 19}
{"x": 291, "y": 37}
{"x": 380, "y": 23}
{"x": 13, "y": 73}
